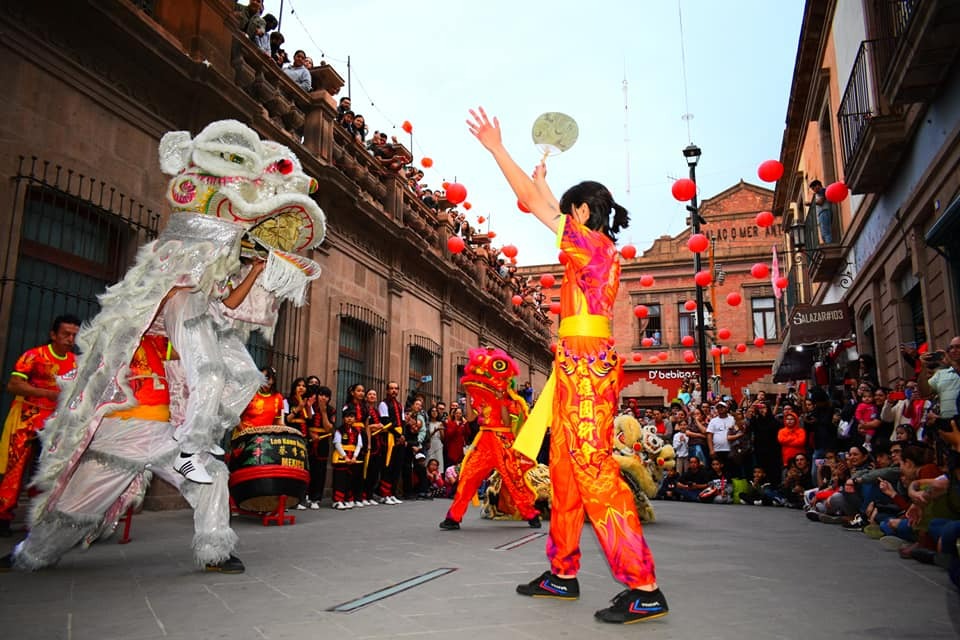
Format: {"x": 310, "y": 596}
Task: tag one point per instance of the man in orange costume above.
{"x": 34, "y": 383}
{"x": 580, "y": 398}
{"x": 492, "y": 402}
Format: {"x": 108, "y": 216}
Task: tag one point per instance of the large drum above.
{"x": 265, "y": 463}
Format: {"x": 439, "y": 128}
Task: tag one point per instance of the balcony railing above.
{"x": 872, "y": 132}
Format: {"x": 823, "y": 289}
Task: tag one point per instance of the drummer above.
{"x": 265, "y": 408}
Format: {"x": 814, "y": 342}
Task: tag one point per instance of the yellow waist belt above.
{"x": 535, "y": 428}
{"x": 155, "y": 412}
{"x": 586, "y": 325}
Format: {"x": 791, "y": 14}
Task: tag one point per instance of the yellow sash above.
{"x": 10, "y": 426}
{"x": 535, "y": 428}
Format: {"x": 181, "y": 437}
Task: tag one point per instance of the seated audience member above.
{"x": 892, "y": 522}
{"x": 847, "y": 502}
{"x": 691, "y": 483}
{"x": 796, "y": 480}
{"x": 720, "y": 489}
{"x": 761, "y": 492}
{"x": 298, "y": 72}
{"x": 668, "y": 487}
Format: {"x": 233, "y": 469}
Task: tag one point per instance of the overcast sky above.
{"x": 429, "y": 62}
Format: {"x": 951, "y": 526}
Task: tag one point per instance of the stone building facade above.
{"x": 90, "y": 89}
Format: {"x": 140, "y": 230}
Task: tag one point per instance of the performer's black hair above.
{"x": 66, "y": 318}
{"x": 600, "y": 202}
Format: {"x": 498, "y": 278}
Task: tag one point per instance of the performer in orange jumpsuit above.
{"x": 34, "y": 383}
{"x": 487, "y": 383}
{"x": 580, "y": 399}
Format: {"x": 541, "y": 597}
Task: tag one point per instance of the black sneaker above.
{"x": 857, "y": 524}
{"x": 6, "y": 563}
{"x": 534, "y": 522}
{"x": 634, "y": 605}
{"x": 5, "y": 531}
{"x": 550, "y": 586}
{"x": 449, "y": 525}
{"x": 230, "y": 565}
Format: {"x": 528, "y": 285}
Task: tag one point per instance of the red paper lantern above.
{"x": 764, "y": 219}
{"x": 467, "y": 206}
{"x": 687, "y": 341}
{"x": 455, "y": 244}
{"x": 837, "y": 192}
{"x": 563, "y": 258}
{"x": 684, "y": 189}
{"x": 647, "y": 342}
{"x": 637, "y": 357}
{"x": 491, "y": 234}
{"x": 406, "y": 126}
{"x": 741, "y": 348}
{"x": 715, "y": 351}
{"x": 481, "y": 220}
{"x": 734, "y": 299}
{"x": 654, "y": 359}
{"x": 553, "y": 347}
{"x": 513, "y": 261}
{"x": 759, "y": 342}
{"x": 646, "y": 281}
{"x": 698, "y": 243}
{"x": 723, "y": 333}
{"x": 509, "y": 250}
{"x": 426, "y": 162}
{"x": 782, "y": 282}
{"x": 725, "y": 350}
{"x": 688, "y": 357}
{"x": 456, "y": 193}
{"x": 555, "y": 308}
{"x": 759, "y": 271}
{"x": 522, "y": 207}
{"x": 641, "y": 311}
{"x": 770, "y": 171}
{"x": 547, "y": 280}
{"x": 517, "y": 300}
{"x": 629, "y": 252}
{"x": 690, "y": 305}
{"x": 703, "y": 278}
{"x": 662, "y": 355}
{"x": 445, "y": 184}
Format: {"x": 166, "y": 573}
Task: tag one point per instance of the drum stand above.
{"x": 278, "y": 516}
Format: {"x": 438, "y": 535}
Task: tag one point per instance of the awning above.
{"x": 810, "y": 325}
{"x": 792, "y": 364}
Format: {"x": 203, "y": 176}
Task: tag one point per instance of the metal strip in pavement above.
{"x": 409, "y": 583}
{"x": 507, "y": 546}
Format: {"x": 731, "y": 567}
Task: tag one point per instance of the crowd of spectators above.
{"x": 884, "y": 461}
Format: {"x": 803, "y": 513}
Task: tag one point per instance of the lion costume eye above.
{"x": 499, "y": 365}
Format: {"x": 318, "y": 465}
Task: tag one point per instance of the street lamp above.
{"x": 691, "y": 154}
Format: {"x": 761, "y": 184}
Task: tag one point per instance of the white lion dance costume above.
{"x": 235, "y": 198}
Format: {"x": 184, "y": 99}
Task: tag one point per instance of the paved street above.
{"x": 727, "y": 572}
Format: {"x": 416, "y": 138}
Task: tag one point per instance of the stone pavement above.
{"x": 727, "y": 572}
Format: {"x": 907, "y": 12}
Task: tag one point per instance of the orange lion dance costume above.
{"x": 500, "y": 412}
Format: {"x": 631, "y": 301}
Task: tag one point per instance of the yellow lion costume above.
{"x": 644, "y": 458}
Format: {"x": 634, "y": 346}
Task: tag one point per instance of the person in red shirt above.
{"x": 454, "y": 438}
{"x": 34, "y": 383}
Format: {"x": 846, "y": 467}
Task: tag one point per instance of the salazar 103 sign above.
{"x": 821, "y": 323}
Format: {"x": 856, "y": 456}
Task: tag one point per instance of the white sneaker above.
{"x": 396, "y": 500}
{"x": 349, "y": 504}
{"x": 360, "y": 503}
{"x": 389, "y": 500}
{"x": 216, "y": 450}
{"x": 381, "y": 500}
{"x": 339, "y": 506}
{"x": 192, "y": 469}
{"x": 314, "y": 505}
{"x": 301, "y": 506}
{"x": 370, "y": 503}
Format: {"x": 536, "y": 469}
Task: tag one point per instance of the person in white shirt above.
{"x": 720, "y": 436}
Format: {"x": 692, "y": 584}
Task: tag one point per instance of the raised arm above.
{"x": 535, "y": 195}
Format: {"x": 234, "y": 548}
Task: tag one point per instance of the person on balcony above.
{"x": 823, "y": 211}
{"x": 298, "y": 71}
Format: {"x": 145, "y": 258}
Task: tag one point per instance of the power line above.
{"x": 683, "y": 63}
